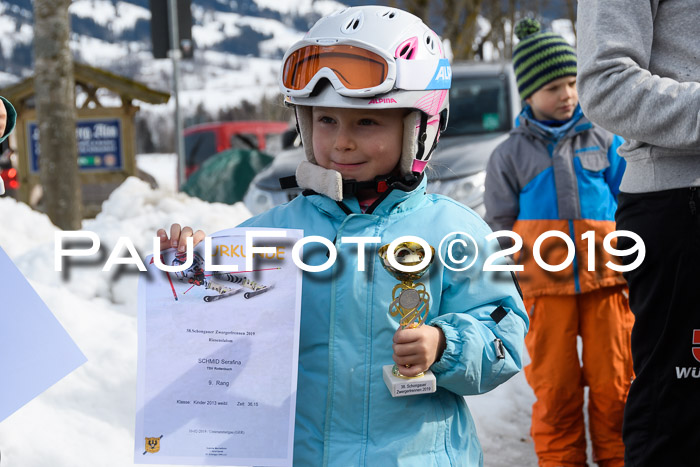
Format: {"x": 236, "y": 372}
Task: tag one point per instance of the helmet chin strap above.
{"x": 330, "y": 183}
{"x": 382, "y": 184}
{"x": 421, "y": 155}
{"x": 422, "y": 136}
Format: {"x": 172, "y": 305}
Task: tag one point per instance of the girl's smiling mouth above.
{"x": 347, "y": 164}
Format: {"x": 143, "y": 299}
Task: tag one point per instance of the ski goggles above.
{"x": 353, "y": 70}
{"x": 356, "y": 70}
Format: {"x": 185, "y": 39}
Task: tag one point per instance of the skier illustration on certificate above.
{"x": 222, "y": 284}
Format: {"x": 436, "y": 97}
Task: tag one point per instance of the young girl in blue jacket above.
{"x": 369, "y": 86}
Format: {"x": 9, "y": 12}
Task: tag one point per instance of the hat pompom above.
{"x": 527, "y": 27}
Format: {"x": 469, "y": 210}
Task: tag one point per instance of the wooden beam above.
{"x": 19, "y": 91}
{"x": 91, "y": 92}
{"x": 84, "y": 74}
{"x": 125, "y": 87}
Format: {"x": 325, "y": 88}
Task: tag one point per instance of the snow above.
{"x": 118, "y": 17}
{"x": 215, "y": 81}
{"x": 163, "y": 167}
{"x": 301, "y": 7}
{"x": 10, "y": 34}
{"x": 7, "y": 79}
{"x": 87, "y": 418}
{"x": 99, "y": 53}
{"x": 213, "y": 27}
{"x": 282, "y": 37}
{"x": 218, "y": 26}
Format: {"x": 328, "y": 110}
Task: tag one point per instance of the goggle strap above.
{"x": 423, "y": 74}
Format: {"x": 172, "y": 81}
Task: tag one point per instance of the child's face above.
{"x": 359, "y": 143}
{"x": 556, "y": 100}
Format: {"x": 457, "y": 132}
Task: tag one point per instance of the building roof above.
{"x": 126, "y": 88}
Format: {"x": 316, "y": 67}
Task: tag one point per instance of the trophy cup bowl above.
{"x": 406, "y": 254}
{"x": 411, "y": 301}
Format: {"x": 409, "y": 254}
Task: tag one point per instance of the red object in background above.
{"x": 7, "y": 171}
{"x": 204, "y": 140}
{"x": 9, "y": 177}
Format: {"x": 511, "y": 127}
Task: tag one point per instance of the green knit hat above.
{"x": 540, "y": 57}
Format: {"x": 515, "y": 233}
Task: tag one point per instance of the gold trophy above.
{"x": 411, "y": 301}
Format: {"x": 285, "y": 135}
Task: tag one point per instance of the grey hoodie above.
{"x": 639, "y": 77}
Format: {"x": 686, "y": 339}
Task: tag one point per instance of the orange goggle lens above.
{"x": 357, "y": 68}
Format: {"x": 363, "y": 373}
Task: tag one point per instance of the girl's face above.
{"x": 556, "y": 100}
{"x": 359, "y": 143}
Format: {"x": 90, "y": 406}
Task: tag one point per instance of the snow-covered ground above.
{"x": 87, "y": 418}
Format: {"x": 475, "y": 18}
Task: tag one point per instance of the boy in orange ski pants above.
{"x": 558, "y": 175}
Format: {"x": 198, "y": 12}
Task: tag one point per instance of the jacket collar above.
{"x": 394, "y": 200}
{"x": 526, "y": 123}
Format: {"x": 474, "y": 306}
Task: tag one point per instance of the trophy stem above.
{"x": 411, "y": 301}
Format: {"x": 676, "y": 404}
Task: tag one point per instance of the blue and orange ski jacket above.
{"x": 565, "y": 179}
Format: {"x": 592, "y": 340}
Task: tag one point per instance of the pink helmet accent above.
{"x": 407, "y": 49}
{"x": 432, "y": 102}
{"x": 418, "y": 166}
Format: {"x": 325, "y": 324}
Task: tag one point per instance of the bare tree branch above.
{"x": 571, "y": 13}
{"x": 461, "y": 21}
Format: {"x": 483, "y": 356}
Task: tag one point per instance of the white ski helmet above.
{"x": 373, "y": 57}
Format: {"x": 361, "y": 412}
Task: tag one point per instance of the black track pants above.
{"x": 662, "y": 415}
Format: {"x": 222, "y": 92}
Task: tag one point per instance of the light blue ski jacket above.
{"x": 345, "y": 414}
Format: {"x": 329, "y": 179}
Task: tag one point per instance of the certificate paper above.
{"x": 218, "y": 355}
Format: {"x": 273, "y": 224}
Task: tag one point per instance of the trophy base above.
{"x": 399, "y": 387}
